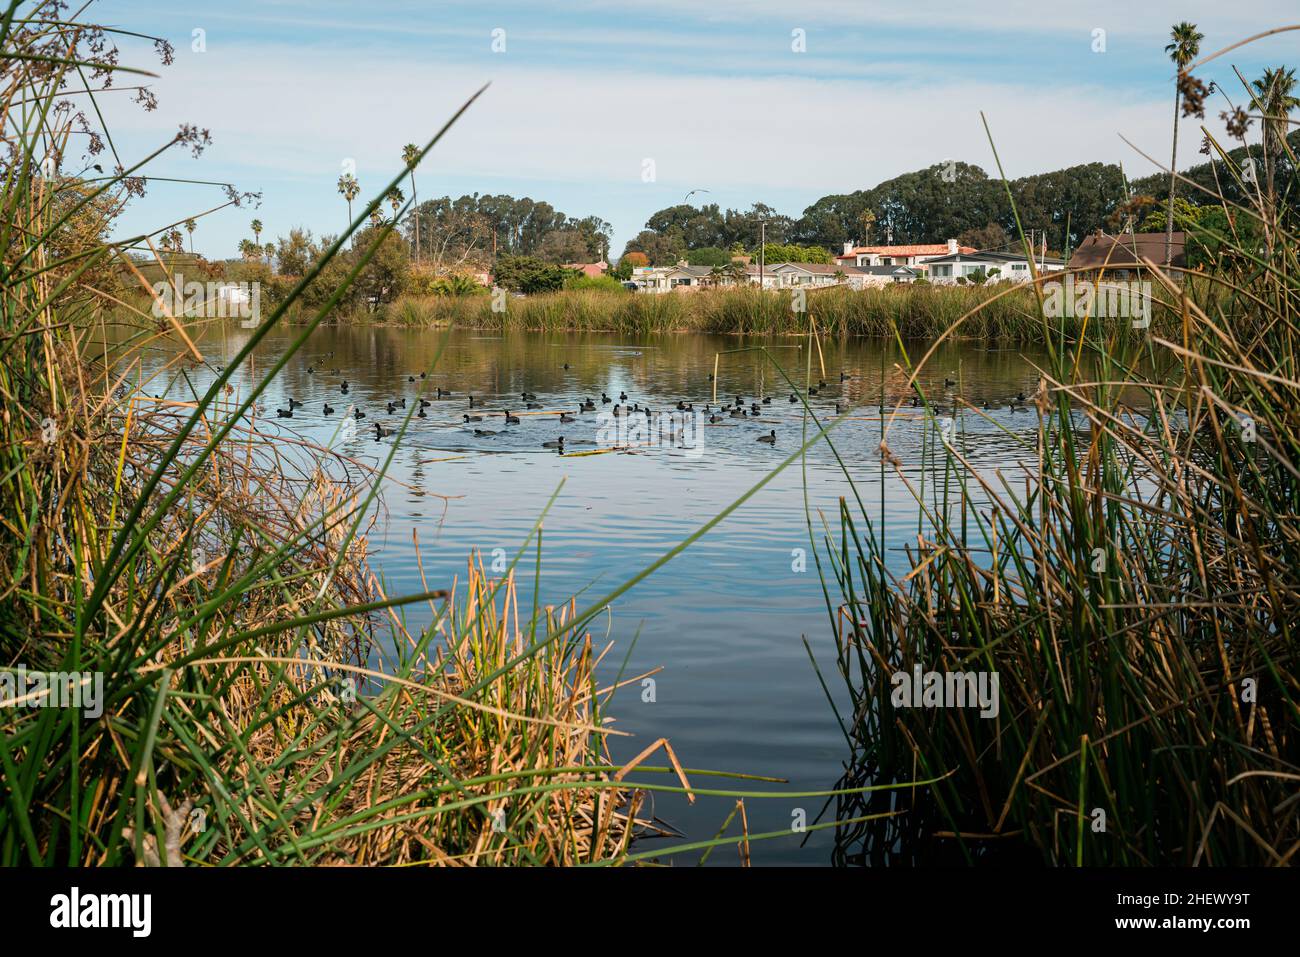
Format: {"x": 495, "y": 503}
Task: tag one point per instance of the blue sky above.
{"x": 585, "y": 93}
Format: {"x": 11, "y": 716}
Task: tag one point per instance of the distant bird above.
{"x": 767, "y": 400}
{"x": 737, "y": 413}
{"x": 473, "y": 418}
{"x": 410, "y": 378}
{"x": 533, "y": 405}
{"x": 587, "y": 406}
{"x": 310, "y": 370}
{"x": 391, "y": 408}
{"x": 424, "y": 375}
{"x": 948, "y": 383}
{"x": 565, "y": 417}
{"x": 841, "y": 408}
{"x": 566, "y": 365}
{"x": 844, "y": 376}
{"x": 793, "y": 398}
{"x": 442, "y": 392}
{"x": 481, "y": 433}
{"x": 425, "y": 403}
{"x": 402, "y": 402}
{"x": 281, "y": 413}
{"x": 381, "y": 431}
{"x": 471, "y": 402}
{"x": 715, "y": 418}
{"x": 422, "y": 414}
{"x": 770, "y": 438}
{"x": 511, "y": 419}
{"x": 358, "y": 414}
{"x": 344, "y": 387}
{"x": 292, "y": 403}
{"x": 622, "y": 397}
{"x": 527, "y": 395}
{"x": 605, "y": 400}
{"x": 557, "y": 444}
{"x": 329, "y": 409}
{"x": 812, "y": 390}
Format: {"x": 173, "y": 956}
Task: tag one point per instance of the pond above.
{"x": 727, "y": 620}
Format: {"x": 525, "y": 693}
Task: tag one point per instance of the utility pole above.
{"x": 762, "y": 250}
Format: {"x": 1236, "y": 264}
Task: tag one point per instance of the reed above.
{"x": 1132, "y": 582}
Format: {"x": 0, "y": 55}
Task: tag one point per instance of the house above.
{"x": 876, "y": 276}
{"x": 1120, "y": 257}
{"x": 808, "y": 274}
{"x": 671, "y": 278}
{"x": 589, "y": 269}
{"x": 768, "y": 278}
{"x": 1009, "y": 266}
{"x": 912, "y": 255}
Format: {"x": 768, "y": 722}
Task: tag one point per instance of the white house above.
{"x": 911, "y": 255}
{"x": 997, "y": 266}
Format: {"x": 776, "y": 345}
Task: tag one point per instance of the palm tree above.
{"x": 396, "y": 198}
{"x": 1186, "y": 43}
{"x": 348, "y": 189}
{"x": 1274, "y": 98}
{"x": 410, "y": 153}
{"x": 256, "y": 226}
{"x": 190, "y": 226}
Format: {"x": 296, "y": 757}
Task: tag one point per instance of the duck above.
{"x": 344, "y": 387}
{"x": 755, "y": 409}
{"x": 422, "y": 414}
{"x": 471, "y": 401}
{"x": 481, "y": 433}
{"x": 587, "y": 406}
{"x": 622, "y": 397}
{"x": 292, "y": 403}
{"x": 329, "y": 409}
{"x": 473, "y": 418}
{"x": 511, "y": 419}
{"x": 391, "y": 408}
{"x": 812, "y": 390}
{"x": 556, "y": 444}
{"x": 793, "y": 398}
{"x": 424, "y": 375}
{"x": 527, "y": 395}
{"x": 767, "y": 400}
{"x": 604, "y": 399}
{"x": 841, "y": 408}
{"x": 844, "y": 377}
{"x": 770, "y": 438}
{"x": 715, "y": 418}
{"x": 410, "y": 378}
{"x": 915, "y": 402}
{"x": 737, "y": 413}
{"x": 566, "y": 365}
{"x": 358, "y": 414}
{"x": 402, "y": 402}
{"x": 533, "y": 405}
{"x": 381, "y": 431}
{"x": 442, "y": 392}
{"x": 565, "y": 417}
{"x": 310, "y": 370}
{"x": 281, "y": 413}
{"x": 948, "y": 383}
{"x": 425, "y": 403}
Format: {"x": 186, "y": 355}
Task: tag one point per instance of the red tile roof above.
{"x": 920, "y": 249}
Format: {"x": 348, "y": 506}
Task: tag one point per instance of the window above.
{"x": 1019, "y": 267}
{"x": 943, "y": 270}
{"x": 887, "y": 261}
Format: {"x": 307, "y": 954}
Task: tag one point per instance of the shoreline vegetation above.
{"x": 1134, "y": 585}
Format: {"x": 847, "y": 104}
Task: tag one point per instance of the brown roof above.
{"x": 1112, "y": 252}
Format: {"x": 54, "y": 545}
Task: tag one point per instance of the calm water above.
{"x": 727, "y": 619}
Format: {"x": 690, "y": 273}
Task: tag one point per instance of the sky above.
{"x": 619, "y": 110}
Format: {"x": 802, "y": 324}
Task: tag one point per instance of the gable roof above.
{"x": 993, "y": 256}
{"x": 1098, "y": 251}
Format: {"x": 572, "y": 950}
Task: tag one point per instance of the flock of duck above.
{"x": 477, "y": 411}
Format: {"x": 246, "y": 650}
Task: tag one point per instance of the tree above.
{"x": 296, "y": 252}
{"x": 411, "y": 153}
{"x": 256, "y": 226}
{"x": 348, "y": 189}
{"x": 528, "y": 274}
{"x": 190, "y": 226}
{"x": 1185, "y": 44}
{"x": 564, "y": 246}
{"x": 990, "y": 236}
{"x": 395, "y": 199}
{"x": 1274, "y": 98}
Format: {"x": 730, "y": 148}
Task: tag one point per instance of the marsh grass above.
{"x": 1133, "y": 582}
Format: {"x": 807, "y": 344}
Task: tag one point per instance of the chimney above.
{"x": 952, "y": 247}
{"x": 848, "y": 249}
